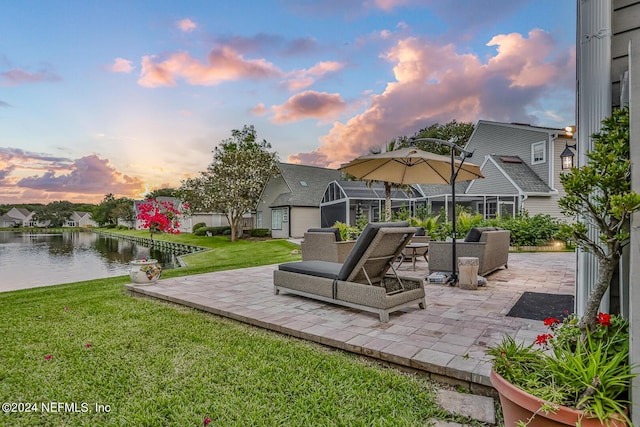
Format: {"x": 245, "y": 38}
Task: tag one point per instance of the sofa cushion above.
{"x": 362, "y": 244}
{"x": 333, "y": 230}
{"x": 475, "y": 233}
{"x": 325, "y": 269}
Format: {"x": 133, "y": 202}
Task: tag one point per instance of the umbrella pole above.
{"x": 454, "y": 258}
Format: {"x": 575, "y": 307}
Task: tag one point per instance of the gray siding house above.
{"x": 290, "y": 203}
{"x": 522, "y": 167}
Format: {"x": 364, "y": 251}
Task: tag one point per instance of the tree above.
{"x": 458, "y": 133}
{"x": 233, "y": 182}
{"x": 160, "y": 216}
{"x": 161, "y": 192}
{"x": 123, "y": 210}
{"x": 599, "y": 194}
{"x": 56, "y": 213}
{"x": 392, "y": 145}
{"x": 102, "y": 212}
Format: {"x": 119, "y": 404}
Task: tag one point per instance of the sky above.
{"x": 125, "y": 97}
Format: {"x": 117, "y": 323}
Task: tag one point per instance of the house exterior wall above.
{"x": 513, "y": 140}
{"x": 272, "y": 190}
{"x": 210, "y": 219}
{"x": 494, "y": 182}
{"x": 302, "y": 219}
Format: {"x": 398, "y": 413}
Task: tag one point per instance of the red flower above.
{"x": 604, "y": 319}
{"x": 48, "y": 357}
{"x": 543, "y": 339}
{"x": 551, "y": 321}
{"x": 88, "y": 345}
{"x": 206, "y": 421}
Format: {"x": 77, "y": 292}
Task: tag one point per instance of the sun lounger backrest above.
{"x": 363, "y": 244}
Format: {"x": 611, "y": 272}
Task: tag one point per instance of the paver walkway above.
{"x": 447, "y": 341}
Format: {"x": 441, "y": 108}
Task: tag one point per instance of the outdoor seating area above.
{"x": 361, "y": 281}
{"x": 489, "y": 245}
{"x": 447, "y": 341}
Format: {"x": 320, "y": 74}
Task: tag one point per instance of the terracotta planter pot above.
{"x": 518, "y": 405}
{"x": 145, "y": 272}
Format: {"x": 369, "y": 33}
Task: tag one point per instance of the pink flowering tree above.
{"x": 160, "y": 216}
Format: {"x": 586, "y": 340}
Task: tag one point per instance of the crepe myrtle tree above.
{"x": 234, "y": 180}
{"x": 599, "y": 197}
{"x": 161, "y": 216}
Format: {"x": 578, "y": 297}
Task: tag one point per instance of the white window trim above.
{"x": 533, "y": 150}
{"x": 276, "y": 214}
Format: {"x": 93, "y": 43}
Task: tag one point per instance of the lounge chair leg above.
{"x": 276, "y": 291}
{"x": 422, "y": 304}
{"x": 384, "y": 316}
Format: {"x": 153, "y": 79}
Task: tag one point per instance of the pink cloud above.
{"x": 223, "y": 64}
{"x": 259, "y": 110}
{"x": 186, "y": 25}
{"x": 121, "y": 65}
{"x": 87, "y": 175}
{"x": 16, "y": 76}
{"x": 309, "y": 104}
{"x": 435, "y": 84}
{"x": 301, "y": 79}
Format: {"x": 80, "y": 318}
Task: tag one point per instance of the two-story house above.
{"x": 522, "y": 166}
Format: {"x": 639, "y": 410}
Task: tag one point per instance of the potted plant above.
{"x": 145, "y": 271}
{"x": 581, "y": 368}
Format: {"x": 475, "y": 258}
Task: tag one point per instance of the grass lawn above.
{"x": 149, "y": 363}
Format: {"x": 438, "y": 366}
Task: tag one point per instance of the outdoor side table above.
{"x": 413, "y": 247}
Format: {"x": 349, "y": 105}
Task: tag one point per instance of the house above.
{"x": 16, "y": 217}
{"x": 521, "y": 165}
{"x": 608, "y": 76}
{"x": 344, "y": 200}
{"x": 290, "y": 203}
{"x": 80, "y": 219}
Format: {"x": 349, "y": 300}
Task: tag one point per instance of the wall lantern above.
{"x": 567, "y": 156}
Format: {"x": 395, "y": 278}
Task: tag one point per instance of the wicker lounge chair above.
{"x": 361, "y": 281}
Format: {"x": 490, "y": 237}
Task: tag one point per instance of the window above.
{"x": 304, "y": 183}
{"x": 259, "y": 219}
{"x": 276, "y": 219}
{"x": 538, "y": 153}
{"x": 285, "y": 215}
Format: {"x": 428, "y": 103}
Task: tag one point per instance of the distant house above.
{"x": 290, "y": 203}
{"x": 80, "y": 219}
{"x": 16, "y": 217}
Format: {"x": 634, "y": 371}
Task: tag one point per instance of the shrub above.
{"x": 214, "y": 231}
{"x": 260, "y": 232}
{"x": 198, "y": 225}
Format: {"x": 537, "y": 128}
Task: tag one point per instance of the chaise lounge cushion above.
{"x": 325, "y": 269}
{"x": 362, "y": 244}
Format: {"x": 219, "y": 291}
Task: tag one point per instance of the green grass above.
{"x": 159, "y": 364}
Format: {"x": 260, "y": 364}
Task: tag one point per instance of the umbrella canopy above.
{"x": 410, "y": 166}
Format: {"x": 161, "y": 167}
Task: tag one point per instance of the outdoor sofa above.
{"x": 325, "y": 244}
{"x": 489, "y": 244}
{"x": 362, "y": 281}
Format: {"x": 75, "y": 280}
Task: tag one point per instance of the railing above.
{"x": 176, "y": 248}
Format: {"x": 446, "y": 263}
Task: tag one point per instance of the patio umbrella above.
{"x": 414, "y": 166}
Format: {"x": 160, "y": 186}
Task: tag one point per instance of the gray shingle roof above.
{"x": 523, "y": 176}
{"x": 315, "y": 178}
{"x": 431, "y": 190}
{"x": 375, "y": 191}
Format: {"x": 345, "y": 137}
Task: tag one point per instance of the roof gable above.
{"x": 307, "y": 184}
{"x": 520, "y": 174}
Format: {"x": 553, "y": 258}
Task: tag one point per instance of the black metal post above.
{"x": 454, "y": 174}
{"x": 454, "y": 258}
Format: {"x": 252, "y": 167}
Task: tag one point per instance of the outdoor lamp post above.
{"x": 464, "y": 154}
{"x": 567, "y": 156}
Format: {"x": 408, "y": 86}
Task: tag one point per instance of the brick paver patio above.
{"x": 447, "y": 341}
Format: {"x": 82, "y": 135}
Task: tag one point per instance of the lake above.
{"x": 29, "y": 260}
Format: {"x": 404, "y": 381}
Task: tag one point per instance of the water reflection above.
{"x": 39, "y": 259}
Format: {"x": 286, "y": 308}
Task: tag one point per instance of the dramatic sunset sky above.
{"x": 124, "y": 97}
